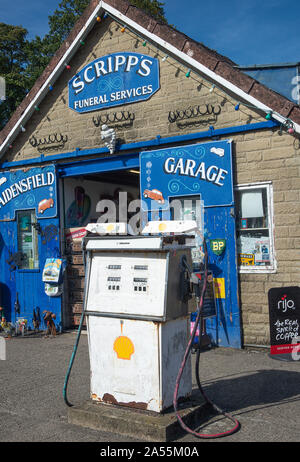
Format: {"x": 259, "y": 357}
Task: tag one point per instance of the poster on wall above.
{"x": 284, "y": 315}
{"x": 79, "y": 209}
{"x": 204, "y": 169}
{"x": 28, "y": 189}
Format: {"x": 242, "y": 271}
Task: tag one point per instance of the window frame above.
{"x": 35, "y": 241}
{"x": 267, "y": 185}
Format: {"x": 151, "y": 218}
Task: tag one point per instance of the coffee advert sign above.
{"x": 284, "y": 314}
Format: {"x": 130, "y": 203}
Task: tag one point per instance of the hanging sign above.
{"x": 284, "y": 314}
{"x": 198, "y": 169}
{"x": 34, "y": 188}
{"x": 114, "y": 80}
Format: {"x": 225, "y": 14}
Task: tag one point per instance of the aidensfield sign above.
{"x": 114, "y": 80}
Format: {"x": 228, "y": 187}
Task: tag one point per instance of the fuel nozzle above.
{"x": 197, "y": 280}
{"x": 17, "y": 305}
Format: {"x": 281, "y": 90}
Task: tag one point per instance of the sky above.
{"x": 247, "y": 31}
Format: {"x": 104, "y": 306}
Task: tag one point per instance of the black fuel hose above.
{"x": 74, "y": 350}
{"x": 72, "y": 361}
{"x": 186, "y": 355}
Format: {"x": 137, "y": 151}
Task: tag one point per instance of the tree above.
{"x": 64, "y": 18}
{"x": 40, "y": 51}
{"x": 13, "y": 62}
{"x": 22, "y": 61}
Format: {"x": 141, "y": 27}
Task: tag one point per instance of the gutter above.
{"x": 143, "y": 145}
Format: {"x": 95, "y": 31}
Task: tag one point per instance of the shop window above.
{"x": 255, "y": 246}
{"x": 27, "y": 240}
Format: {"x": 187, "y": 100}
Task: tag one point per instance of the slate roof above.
{"x": 212, "y": 60}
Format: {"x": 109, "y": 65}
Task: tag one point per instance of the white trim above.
{"x": 53, "y": 76}
{"x": 273, "y": 267}
{"x": 195, "y": 64}
{"x": 191, "y": 63}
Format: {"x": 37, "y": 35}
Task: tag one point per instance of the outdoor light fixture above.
{"x": 269, "y": 115}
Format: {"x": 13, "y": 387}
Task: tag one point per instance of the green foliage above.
{"x": 69, "y": 11}
{"x": 13, "y": 61}
{"x": 23, "y": 61}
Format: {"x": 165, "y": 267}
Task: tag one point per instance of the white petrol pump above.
{"x": 137, "y": 290}
{"x": 136, "y": 303}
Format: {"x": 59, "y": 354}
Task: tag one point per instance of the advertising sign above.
{"x": 114, "y": 80}
{"x": 284, "y": 313}
{"x": 204, "y": 169}
{"x": 34, "y": 188}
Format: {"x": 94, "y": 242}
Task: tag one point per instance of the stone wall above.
{"x": 257, "y": 156}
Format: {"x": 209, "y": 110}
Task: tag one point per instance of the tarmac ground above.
{"x": 261, "y": 392}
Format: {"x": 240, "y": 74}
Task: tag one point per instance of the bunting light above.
{"x": 287, "y": 124}
{"x": 269, "y": 115}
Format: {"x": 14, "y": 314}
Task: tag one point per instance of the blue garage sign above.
{"x": 204, "y": 169}
{"x": 114, "y": 80}
{"x": 28, "y": 189}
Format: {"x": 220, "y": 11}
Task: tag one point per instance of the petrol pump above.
{"x": 137, "y": 287}
{"x": 136, "y": 306}
{"x": 137, "y": 290}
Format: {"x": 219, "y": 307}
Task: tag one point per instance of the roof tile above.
{"x": 120, "y": 5}
{"x": 201, "y": 54}
{"x": 272, "y": 99}
{"x": 234, "y": 76}
{"x": 141, "y": 18}
{"x": 295, "y": 114}
{"x": 170, "y": 35}
{"x": 222, "y": 65}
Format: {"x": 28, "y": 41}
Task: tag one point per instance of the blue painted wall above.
{"x": 27, "y": 283}
{"x": 173, "y": 172}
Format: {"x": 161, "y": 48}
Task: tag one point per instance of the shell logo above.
{"x": 162, "y": 227}
{"x": 124, "y": 347}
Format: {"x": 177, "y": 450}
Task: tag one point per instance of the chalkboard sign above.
{"x": 284, "y": 314}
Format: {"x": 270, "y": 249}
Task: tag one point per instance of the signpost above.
{"x": 284, "y": 314}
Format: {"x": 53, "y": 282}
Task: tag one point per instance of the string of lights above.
{"x": 286, "y": 125}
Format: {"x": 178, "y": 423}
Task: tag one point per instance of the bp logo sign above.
{"x": 218, "y": 246}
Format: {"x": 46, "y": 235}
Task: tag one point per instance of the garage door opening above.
{"x": 83, "y": 198}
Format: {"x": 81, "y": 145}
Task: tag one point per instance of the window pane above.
{"x": 253, "y": 234}
{"x": 27, "y": 240}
